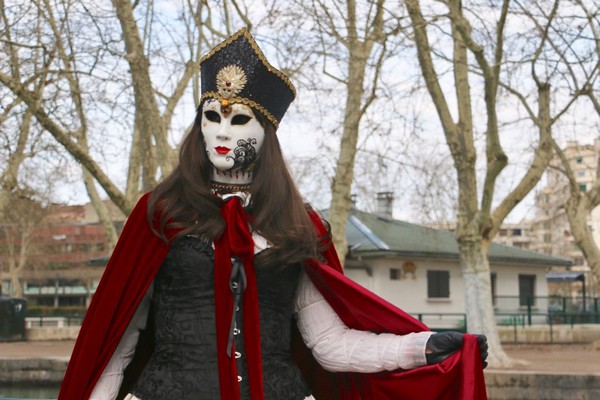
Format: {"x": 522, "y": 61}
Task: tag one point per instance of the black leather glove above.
{"x": 441, "y": 345}
{"x": 483, "y": 348}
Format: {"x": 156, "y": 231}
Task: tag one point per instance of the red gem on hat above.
{"x": 228, "y": 83}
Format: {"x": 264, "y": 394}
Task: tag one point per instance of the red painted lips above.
{"x": 222, "y": 149}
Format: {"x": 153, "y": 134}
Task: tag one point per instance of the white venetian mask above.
{"x": 232, "y": 139}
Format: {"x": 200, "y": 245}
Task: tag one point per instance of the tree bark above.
{"x": 471, "y": 221}
{"x": 359, "y": 52}
{"x": 148, "y": 115}
{"x": 341, "y": 187}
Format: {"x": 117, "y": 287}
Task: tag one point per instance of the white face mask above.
{"x": 232, "y": 140}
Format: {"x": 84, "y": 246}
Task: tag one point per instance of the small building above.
{"x": 417, "y": 268}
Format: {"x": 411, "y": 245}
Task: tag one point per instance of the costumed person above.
{"x": 225, "y": 285}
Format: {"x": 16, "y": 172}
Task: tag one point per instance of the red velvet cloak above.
{"x": 136, "y": 260}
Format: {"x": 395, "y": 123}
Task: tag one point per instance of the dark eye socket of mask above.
{"x": 212, "y": 116}
{"x": 240, "y": 119}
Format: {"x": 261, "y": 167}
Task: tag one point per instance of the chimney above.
{"x": 385, "y": 204}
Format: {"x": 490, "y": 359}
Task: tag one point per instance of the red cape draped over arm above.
{"x": 135, "y": 262}
{"x": 460, "y": 376}
{"x": 130, "y": 271}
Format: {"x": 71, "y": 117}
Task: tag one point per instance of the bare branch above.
{"x": 331, "y": 24}
{"x": 427, "y": 65}
{"x": 242, "y": 14}
{"x": 373, "y": 95}
{"x": 64, "y": 138}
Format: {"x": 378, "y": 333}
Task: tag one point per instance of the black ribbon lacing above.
{"x": 237, "y": 284}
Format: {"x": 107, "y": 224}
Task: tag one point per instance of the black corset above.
{"x": 184, "y": 362}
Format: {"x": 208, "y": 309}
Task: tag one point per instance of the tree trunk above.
{"x": 148, "y": 117}
{"x": 342, "y": 182}
{"x": 478, "y": 295}
{"x": 103, "y": 214}
{"x": 15, "y": 280}
{"x": 473, "y": 223}
{"x": 578, "y": 209}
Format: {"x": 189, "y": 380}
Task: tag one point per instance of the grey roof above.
{"x": 372, "y": 235}
{"x": 565, "y": 277}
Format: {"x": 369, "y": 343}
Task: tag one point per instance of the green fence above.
{"x": 520, "y": 311}
{"x": 530, "y": 310}
{"x": 509, "y": 311}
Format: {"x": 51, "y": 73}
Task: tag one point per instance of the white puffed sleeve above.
{"x": 341, "y": 349}
{"x": 109, "y": 383}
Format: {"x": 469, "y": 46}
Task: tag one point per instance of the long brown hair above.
{"x": 183, "y": 200}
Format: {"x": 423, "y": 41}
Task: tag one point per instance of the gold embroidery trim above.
{"x": 243, "y": 100}
{"x": 258, "y": 52}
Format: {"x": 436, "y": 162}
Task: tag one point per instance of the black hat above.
{"x": 236, "y": 71}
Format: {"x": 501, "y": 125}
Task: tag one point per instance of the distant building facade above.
{"x": 549, "y": 231}
{"x": 517, "y": 235}
{"x": 417, "y": 269}
{"x": 57, "y": 270}
{"x": 550, "y": 227}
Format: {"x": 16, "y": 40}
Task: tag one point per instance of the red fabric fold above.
{"x": 460, "y": 376}
{"x": 237, "y": 241}
{"x": 128, "y": 274}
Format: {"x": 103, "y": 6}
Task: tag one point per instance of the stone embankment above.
{"x": 553, "y": 371}
{"x": 36, "y": 371}
{"x": 530, "y": 385}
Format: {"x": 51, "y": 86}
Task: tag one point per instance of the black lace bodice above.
{"x": 184, "y": 362}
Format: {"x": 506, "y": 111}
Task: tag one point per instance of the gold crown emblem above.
{"x": 230, "y": 81}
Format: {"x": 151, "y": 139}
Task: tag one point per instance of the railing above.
{"x": 553, "y": 321}
{"x": 56, "y": 321}
{"x": 509, "y": 311}
{"x": 440, "y": 322}
{"x": 547, "y": 304}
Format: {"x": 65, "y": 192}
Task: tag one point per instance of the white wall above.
{"x": 507, "y": 278}
{"x": 411, "y": 294}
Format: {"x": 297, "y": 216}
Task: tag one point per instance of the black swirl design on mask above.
{"x": 244, "y": 155}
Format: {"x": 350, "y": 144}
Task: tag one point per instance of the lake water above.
{"x": 28, "y": 392}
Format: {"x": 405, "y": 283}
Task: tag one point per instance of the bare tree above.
{"x": 105, "y": 83}
{"x": 352, "y": 40}
{"x": 584, "y": 71}
{"x": 20, "y": 220}
{"x": 578, "y": 207}
{"x": 478, "y": 220}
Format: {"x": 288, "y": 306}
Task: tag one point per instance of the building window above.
{"x": 547, "y": 238}
{"x": 395, "y": 274}
{"x": 438, "y": 284}
{"x": 583, "y": 187}
{"x": 580, "y": 173}
{"x": 516, "y": 232}
{"x": 579, "y": 160}
{"x": 526, "y": 290}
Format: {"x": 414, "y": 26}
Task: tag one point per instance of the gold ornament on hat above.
{"x": 230, "y": 81}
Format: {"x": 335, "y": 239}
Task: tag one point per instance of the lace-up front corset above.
{"x": 184, "y": 362}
